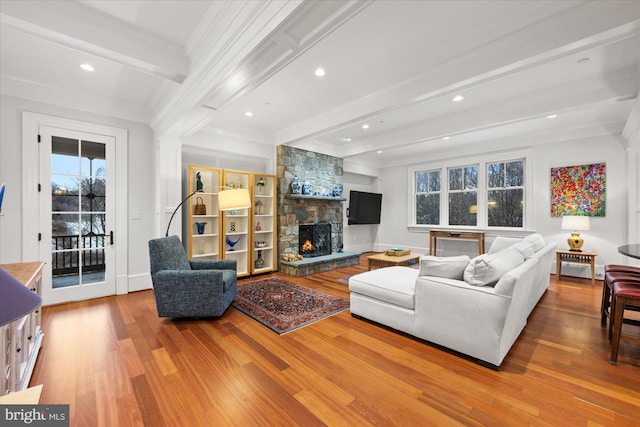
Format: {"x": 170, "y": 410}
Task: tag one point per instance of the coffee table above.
{"x": 382, "y": 260}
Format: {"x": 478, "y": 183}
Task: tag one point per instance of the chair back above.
{"x": 167, "y": 253}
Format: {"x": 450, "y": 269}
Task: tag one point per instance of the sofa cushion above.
{"x": 487, "y": 269}
{"x": 525, "y": 247}
{"x": 451, "y": 267}
{"x": 394, "y": 285}
{"x": 502, "y": 242}
{"x": 536, "y": 239}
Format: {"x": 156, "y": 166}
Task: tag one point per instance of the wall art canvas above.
{"x": 578, "y": 190}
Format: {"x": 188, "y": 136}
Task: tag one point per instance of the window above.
{"x": 428, "y": 197}
{"x": 463, "y": 195}
{"x": 505, "y": 194}
{"x": 490, "y": 192}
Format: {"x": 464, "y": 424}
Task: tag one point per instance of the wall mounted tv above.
{"x": 364, "y": 208}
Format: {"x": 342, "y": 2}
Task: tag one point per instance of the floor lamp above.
{"x": 229, "y": 199}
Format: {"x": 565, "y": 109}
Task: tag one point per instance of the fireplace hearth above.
{"x": 314, "y": 239}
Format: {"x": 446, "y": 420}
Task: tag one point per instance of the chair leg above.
{"x": 606, "y": 303}
{"x": 617, "y": 319}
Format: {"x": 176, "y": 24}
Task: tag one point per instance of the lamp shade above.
{"x": 16, "y": 300}
{"x": 234, "y": 199}
{"x": 577, "y": 223}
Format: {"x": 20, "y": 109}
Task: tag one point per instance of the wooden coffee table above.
{"x": 382, "y": 260}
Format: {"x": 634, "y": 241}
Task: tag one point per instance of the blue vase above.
{"x": 306, "y": 188}
{"x": 296, "y": 188}
{"x": 337, "y": 191}
{"x": 200, "y": 227}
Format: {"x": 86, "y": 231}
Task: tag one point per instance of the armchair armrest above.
{"x": 214, "y": 264}
{"x": 187, "y": 293}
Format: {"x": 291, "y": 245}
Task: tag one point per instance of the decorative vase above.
{"x": 232, "y": 226}
{"x": 259, "y": 262}
{"x": 337, "y": 190}
{"x": 260, "y": 186}
{"x": 296, "y": 188}
{"x": 306, "y": 188}
{"x": 258, "y": 226}
{"x": 200, "y": 227}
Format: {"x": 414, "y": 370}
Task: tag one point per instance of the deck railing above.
{"x": 65, "y": 255}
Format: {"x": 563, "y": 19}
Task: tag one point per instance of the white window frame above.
{"x": 482, "y": 160}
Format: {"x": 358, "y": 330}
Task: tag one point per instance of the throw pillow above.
{"x": 536, "y": 239}
{"x": 487, "y": 269}
{"x": 451, "y": 267}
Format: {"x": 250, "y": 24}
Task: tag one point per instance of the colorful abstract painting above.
{"x": 578, "y": 190}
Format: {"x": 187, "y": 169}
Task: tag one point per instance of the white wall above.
{"x": 606, "y": 234}
{"x": 140, "y": 177}
{"x": 359, "y": 238}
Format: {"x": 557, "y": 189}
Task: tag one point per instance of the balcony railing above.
{"x": 66, "y": 254}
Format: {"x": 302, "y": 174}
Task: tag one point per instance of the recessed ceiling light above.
{"x": 347, "y": 139}
{"x": 446, "y": 137}
{"x": 87, "y": 67}
{"x": 379, "y": 151}
{"x": 319, "y": 72}
{"x": 552, "y": 116}
{"x": 248, "y": 114}
{"x": 365, "y": 126}
{"x": 458, "y": 98}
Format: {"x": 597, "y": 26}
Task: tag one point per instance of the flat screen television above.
{"x": 364, "y": 208}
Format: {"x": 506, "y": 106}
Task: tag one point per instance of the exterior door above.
{"x": 77, "y": 213}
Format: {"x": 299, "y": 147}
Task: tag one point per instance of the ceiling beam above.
{"x": 76, "y": 26}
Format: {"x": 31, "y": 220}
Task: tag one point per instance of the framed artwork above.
{"x": 579, "y": 190}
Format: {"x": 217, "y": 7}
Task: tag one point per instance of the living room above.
{"x": 178, "y": 91}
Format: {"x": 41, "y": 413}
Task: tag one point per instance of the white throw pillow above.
{"x": 487, "y": 269}
{"x": 451, "y": 267}
{"x": 536, "y": 239}
{"x": 525, "y": 248}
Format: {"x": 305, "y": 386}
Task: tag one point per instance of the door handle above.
{"x": 111, "y": 237}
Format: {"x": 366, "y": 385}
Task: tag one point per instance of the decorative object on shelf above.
{"x": 232, "y": 226}
{"x": 296, "y": 187}
{"x": 306, "y": 188}
{"x": 200, "y": 227}
{"x": 231, "y": 243}
{"x": 259, "y": 262}
{"x": 199, "y": 208}
{"x": 260, "y": 185}
{"x": 259, "y": 207}
{"x": 199, "y": 185}
{"x": 337, "y": 190}
{"x": 258, "y": 226}
{"x": 261, "y": 244}
{"x": 575, "y": 223}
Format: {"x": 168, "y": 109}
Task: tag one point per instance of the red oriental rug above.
{"x": 284, "y": 306}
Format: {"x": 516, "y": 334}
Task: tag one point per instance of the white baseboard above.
{"x": 139, "y": 282}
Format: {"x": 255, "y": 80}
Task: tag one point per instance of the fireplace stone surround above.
{"x": 323, "y": 172}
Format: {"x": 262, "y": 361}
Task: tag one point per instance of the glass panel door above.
{"x": 76, "y": 195}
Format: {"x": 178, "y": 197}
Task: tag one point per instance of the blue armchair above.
{"x": 186, "y": 288}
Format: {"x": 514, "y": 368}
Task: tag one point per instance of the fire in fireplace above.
{"x": 314, "y": 239}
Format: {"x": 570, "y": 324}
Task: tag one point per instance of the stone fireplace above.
{"x": 314, "y": 239}
{"x": 301, "y": 212}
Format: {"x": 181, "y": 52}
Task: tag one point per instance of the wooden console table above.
{"x": 434, "y": 235}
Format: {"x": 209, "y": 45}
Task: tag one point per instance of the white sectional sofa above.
{"x": 477, "y": 306}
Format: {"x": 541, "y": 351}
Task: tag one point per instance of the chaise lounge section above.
{"x": 477, "y": 307}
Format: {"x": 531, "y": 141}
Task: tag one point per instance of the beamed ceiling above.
{"x": 197, "y": 67}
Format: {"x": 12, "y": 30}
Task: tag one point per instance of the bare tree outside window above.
{"x": 463, "y": 195}
{"x": 428, "y": 197}
{"x": 505, "y": 194}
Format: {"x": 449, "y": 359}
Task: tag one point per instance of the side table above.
{"x": 577, "y": 258}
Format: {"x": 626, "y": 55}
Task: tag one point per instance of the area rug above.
{"x": 284, "y": 306}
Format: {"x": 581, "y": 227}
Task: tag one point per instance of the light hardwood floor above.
{"x": 117, "y": 364}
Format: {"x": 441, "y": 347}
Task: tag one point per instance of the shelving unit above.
{"x": 205, "y": 245}
{"x": 264, "y": 224}
{"x": 236, "y": 225}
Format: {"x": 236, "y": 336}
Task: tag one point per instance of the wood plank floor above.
{"x": 117, "y": 364}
